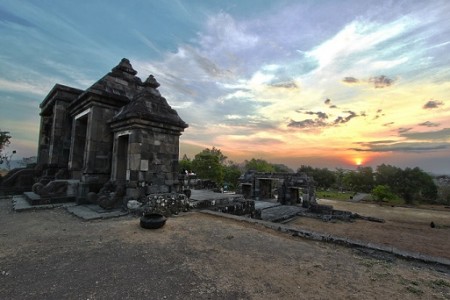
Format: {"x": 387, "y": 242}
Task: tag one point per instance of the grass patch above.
{"x": 368, "y": 263}
{"x": 345, "y": 196}
{"x": 440, "y": 283}
{"x": 371, "y": 262}
{"x": 414, "y": 290}
{"x": 395, "y": 201}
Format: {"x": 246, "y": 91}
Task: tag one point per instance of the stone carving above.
{"x": 62, "y": 174}
{"x": 151, "y": 82}
{"x": 111, "y": 195}
{"x": 53, "y": 189}
{"x": 125, "y": 66}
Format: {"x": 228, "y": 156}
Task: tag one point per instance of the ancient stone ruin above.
{"x": 287, "y": 188}
{"x": 116, "y": 140}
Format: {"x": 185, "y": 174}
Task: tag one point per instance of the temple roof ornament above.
{"x": 125, "y": 66}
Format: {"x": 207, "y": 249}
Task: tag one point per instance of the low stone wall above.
{"x": 166, "y": 204}
{"x": 235, "y": 205}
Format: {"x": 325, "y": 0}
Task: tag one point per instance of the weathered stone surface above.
{"x": 166, "y": 204}
{"x": 120, "y": 129}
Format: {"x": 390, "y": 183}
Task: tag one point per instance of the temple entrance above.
{"x": 122, "y": 158}
{"x": 294, "y": 195}
{"x": 247, "y": 191}
{"x": 79, "y": 146}
{"x": 265, "y": 189}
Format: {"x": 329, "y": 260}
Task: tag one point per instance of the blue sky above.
{"x": 322, "y": 83}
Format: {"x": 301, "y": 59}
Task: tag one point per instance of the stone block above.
{"x": 135, "y": 138}
{"x": 72, "y": 188}
{"x": 152, "y": 189}
{"x": 134, "y": 175}
{"x": 144, "y": 165}
{"x": 132, "y": 193}
{"x": 135, "y": 148}
{"x": 158, "y": 181}
{"x": 134, "y": 161}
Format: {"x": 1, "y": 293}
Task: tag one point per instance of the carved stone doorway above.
{"x": 79, "y": 146}
{"x": 122, "y": 159}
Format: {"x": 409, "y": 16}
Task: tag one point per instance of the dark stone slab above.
{"x": 35, "y": 199}
{"x": 92, "y": 212}
{"x": 280, "y": 213}
{"x": 264, "y": 205}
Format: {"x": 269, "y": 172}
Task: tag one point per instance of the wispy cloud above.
{"x": 377, "y": 82}
{"x": 381, "y": 81}
{"x": 429, "y": 124}
{"x": 350, "y": 80}
{"x": 432, "y": 104}
{"x": 308, "y": 123}
{"x": 404, "y": 147}
{"x": 37, "y": 88}
{"x": 342, "y": 120}
{"x": 443, "y": 134}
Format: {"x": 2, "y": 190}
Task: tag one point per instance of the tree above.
{"x": 412, "y": 184}
{"x": 361, "y": 180}
{"x": 259, "y": 165}
{"x": 185, "y": 164}
{"x": 4, "y": 142}
{"x": 281, "y": 168}
{"x": 231, "y": 176}
{"x": 416, "y": 185}
{"x": 308, "y": 170}
{"x": 5, "y": 157}
{"x": 350, "y": 181}
{"x": 340, "y": 173}
{"x": 382, "y": 192}
{"x": 444, "y": 194}
{"x": 323, "y": 177}
{"x": 206, "y": 165}
{"x": 216, "y": 152}
{"x": 387, "y": 175}
{"x": 365, "y": 179}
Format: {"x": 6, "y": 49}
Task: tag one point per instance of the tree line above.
{"x": 384, "y": 183}
{"x": 212, "y": 164}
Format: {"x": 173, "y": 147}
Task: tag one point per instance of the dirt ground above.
{"x": 50, "y": 254}
{"x": 404, "y": 228}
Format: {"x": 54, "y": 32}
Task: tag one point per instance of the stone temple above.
{"x": 120, "y": 132}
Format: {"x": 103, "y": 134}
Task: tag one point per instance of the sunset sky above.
{"x": 320, "y": 83}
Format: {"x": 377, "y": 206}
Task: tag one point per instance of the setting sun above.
{"x": 358, "y": 161}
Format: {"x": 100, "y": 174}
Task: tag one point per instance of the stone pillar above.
{"x": 44, "y": 139}
{"x": 60, "y": 135}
